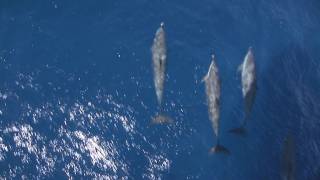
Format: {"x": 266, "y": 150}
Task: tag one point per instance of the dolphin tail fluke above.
{"x": 241, "y": 131}
{"x": 161, "y": 119}
{"x": 219, "y": 149}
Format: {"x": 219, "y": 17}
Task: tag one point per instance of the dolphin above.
{"x": 212, "y": 89}
{"x": 288, "y": 162}
{"x": 249, "y": 87}
{"x": 159, "y": 58}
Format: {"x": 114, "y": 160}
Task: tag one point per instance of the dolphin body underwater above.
{"x": 212, "y": 89}
{"x": 288, "y": 160}
{"x": 159, "y": 60}
{"x": 249, "y": 88}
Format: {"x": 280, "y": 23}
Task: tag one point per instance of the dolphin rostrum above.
{"x": 288, "y": 160}
{"x": 159, "y": 58}
{"x": 212, "y": 88}
{"x": 249, "y": 87}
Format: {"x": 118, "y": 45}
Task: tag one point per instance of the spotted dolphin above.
{"x": 159, "y": 60}
{"x": 249, "y": 87}
{"x": 212, "y": 89}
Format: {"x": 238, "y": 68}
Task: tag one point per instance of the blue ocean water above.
{"x": 77, "y": 95}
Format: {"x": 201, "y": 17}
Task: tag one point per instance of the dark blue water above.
{"x": 77, "y": 95}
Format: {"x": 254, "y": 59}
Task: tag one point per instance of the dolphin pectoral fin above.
{"x": 240, "y": 68}
{"x": 241, "y": 131}
{"x": 219, "y": 149}
{"x": 204, "y": 78}
{"x": 161, "y": 119}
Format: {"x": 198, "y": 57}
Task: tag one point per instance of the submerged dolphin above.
{"x": 159, "y": 58}
{"x": 212, "y": 88}
{"x": 248, "y": 81}
{"x": 249, "y": 87}
{"x": 288, "y": 164}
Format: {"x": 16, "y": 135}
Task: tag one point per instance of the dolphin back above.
{"x": 159, "y": 57}
{"x": 212, "y": 88}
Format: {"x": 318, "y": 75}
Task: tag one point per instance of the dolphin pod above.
{"x": 212, "y": 89}
{"x": 213, "y": 93}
